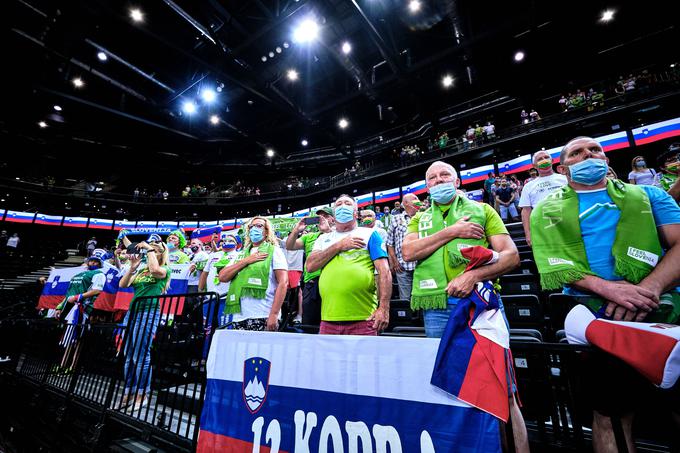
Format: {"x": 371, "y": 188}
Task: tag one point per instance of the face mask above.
{"x": 588, "y": 172}
{"x": 443, "y": 193}
{"x": 256, "y": 235}
{"x": 366, "y": 222}
{"x": 640, "y": 164}
{"x": 172, "y": 246}
{"x": 92, "y": 268}
{"x": 195, "y": 248}
{"x": 544, "y": 164}
{"x": 344, "y": 214}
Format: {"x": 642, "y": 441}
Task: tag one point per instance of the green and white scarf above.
{"x": 251, "y": 281}
{"x": 429, "y": 279}
{"x": 558, "y": 246}
{"x": 667, "y": 180}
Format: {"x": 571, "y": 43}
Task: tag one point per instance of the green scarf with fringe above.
{"x": 558, "y": 246}
{"x": 251, "y": 281}
{"x": 430, "y": 279}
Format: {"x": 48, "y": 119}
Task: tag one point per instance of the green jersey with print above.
{"x": 178, "y": 257}
{"x": 79, "y": 284}
{"x": 493, "y": 226}
{"x": 308, "y": 241}
{"x": 347, "y": 286}
{"x": 145, "y": 285}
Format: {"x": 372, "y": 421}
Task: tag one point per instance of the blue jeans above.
{"x": 405, "y": 282}
{"x": 137, "y": 367}
{"x": 436, "y": 320}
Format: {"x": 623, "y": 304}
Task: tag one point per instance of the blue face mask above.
{"x": 172, "y": 246}
{"x": 256, "y": 235}
{"x": 640, "y": 163}
{"x": 443, "y": 193}
{"x": 588, "y": 172}
{"x": 344, "y": 214}
{"x": 92, "y": 268}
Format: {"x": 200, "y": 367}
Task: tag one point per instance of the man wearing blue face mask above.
{"x": 352, "y": 260}
{"x": 616, "y": 246}
{"x": 442, "y": 278}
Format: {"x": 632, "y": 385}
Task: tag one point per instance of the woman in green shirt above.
{"x": 142, "y": 318}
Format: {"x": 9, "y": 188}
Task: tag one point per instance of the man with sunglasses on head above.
{"x": 539, "y": 187}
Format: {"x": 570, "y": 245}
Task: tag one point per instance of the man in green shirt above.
{"x": 311, "y": 299}
{"x": 453, "y": 221}
{"x": 668, "y": 179}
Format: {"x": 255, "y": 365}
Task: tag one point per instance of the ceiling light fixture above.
{"x": 102, "y": 56}
{"x": 278, "y": 50}
{"x": 136, "y": 15}
{"x": 42, "y": 124}
{"x": 214, "y": 120}
{"x": 304, "y": 142}
{"x": 292, "y": 75}
{"x": 189, "y": 107}
{"x": 346, "y": 47}
{"x": 270, "y": 152}
{"x": 307, "y": 31}
{"x": 57, "y": 108}
{"x": 208, "y": 94}
{"x": 519, "y": 56}
{"x": 78, "y": 82}
{"x": 607, "y": 15}
{"x": 264, "y": 58}
{"x": 447, "y": 81}
{"x": 414, "y": 6}
{"x": 343, "y": 123}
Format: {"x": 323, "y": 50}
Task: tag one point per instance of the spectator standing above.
{"x": 368, "y": 220}
{"x": 668, "y": 179}
{"x": 397, "y": 208}
{"x": 311, "y": 299}
{"x": 524, "y": 117}
{"x": 433, "y": 239}
{"x": 351, "y": 258}
{"x": 505, "y": 197}
{"x": 533, "y": 174}
{"x": 488, "y": 184}
{"x": 3, "y": 239}
{"x": 403, "y": 270}
{"x": 489, "y": 131}
{"x": 386, "y": 218}
{"x": 259, "y": 280}
{"x": 640, "y": 174}
{"x": 563, "y": 103}
{"x": 470, "y": 134}
{"x": 199, "y": 258}
{"x": 583, "y": 235}
{"x": 539, "y": 188}
{"x": 295, "y": 260}
{"x": 13, "y": 242}
{"x": 176, "y": 243}
{"x": 91, "y": 245}
{"x": 135, "y": 194}
{"x": 533, "y": 116}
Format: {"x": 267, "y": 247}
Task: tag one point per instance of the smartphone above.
{"x": 311, "y": 220}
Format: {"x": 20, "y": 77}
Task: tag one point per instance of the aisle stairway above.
{"x": 31, "y": 277}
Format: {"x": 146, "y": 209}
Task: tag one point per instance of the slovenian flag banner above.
{"x": 415, "y": 188}
{"x": 112, "y": 297}
{"x": 2, "y": 214}
{"x": 188, "y": 226}
{"x": 76, "y": 222}
{"x": 301, "y": 213}
{"x": 295, "y": 392}
{"x": 657, "y": 131}
{"x": 242, "y": 221}
{"x": 617, "y": 140}
{"x": 206, "y": 234}
{"x": 124, "y": 224}
{"x": 146, "y": 224}
{"x": 284, "y": 216}
{"x": 385, "y": 196}
{"x": 102, "y": 224}
{"x": 516, "y": 165}
{"x": 228, "y": 224}
{"x": 44, "y": 219}
{"x": 19, "y": 217}
{"x": 475, "y": 195}
{"x": 167, "y": 224}
{"x": 475, "y": 174}
{"x": 207, "y": 224}
{"x": 364, "y": 200}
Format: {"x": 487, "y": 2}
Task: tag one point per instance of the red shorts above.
{"x": 294, "y": 278}
{"x": 347, "y": 328}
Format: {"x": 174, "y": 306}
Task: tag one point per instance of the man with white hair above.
{"x": 351, "y": 259}
{"x": 539, "y": 188}
{"x": 443, "y": 277}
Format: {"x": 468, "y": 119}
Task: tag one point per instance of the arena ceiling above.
{"x": 130, "y": 107}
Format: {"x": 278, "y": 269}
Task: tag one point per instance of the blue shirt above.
{"x": 599, "y": 216}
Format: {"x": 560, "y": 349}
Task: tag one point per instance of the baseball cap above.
{"x": 154, "y": 238}
{"x": 98, "y": 254}
{"x": 326, "y": 210}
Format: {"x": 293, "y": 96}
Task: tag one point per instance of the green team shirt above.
{"x": 178, "y": 257}
{"x": 146, "y": 284}
{"x": 493, "y": 226}
{"x": 82, "y": 283}
{"x": 308, "y": 240}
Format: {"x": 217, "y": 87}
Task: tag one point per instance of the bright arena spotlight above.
{"x": 306, "y": 31}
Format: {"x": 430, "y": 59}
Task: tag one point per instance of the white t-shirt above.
{"x": 260, "y": 308}
{"x": 220, "y": 288}
{"x": 647, "y": 177}
{"x": 293, "y": 257}
{"x": 13, "y": 241}
{"x": 539, "y": 188}
{"x": 196, "y": 259}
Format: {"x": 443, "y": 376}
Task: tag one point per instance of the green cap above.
{"x": 325, "y": 209}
